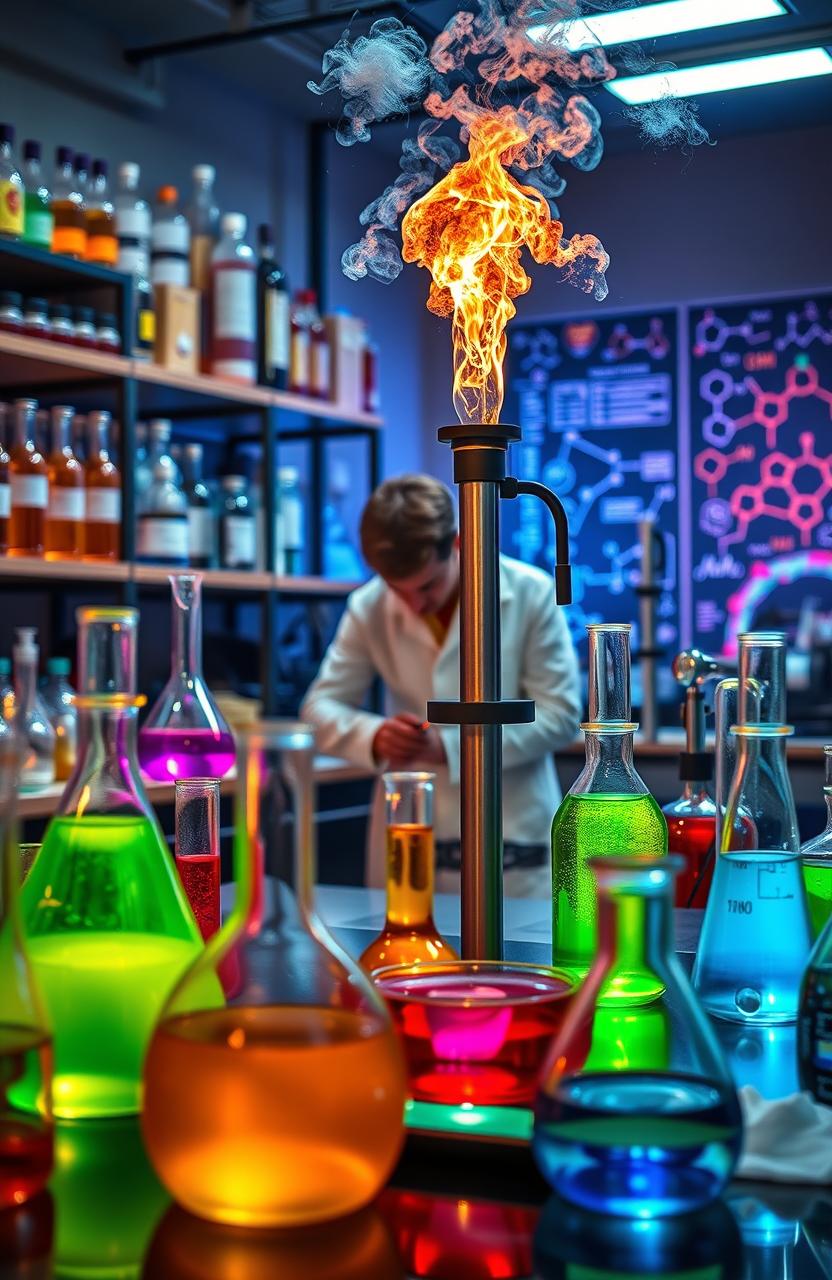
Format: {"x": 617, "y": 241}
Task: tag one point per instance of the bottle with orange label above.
{"x": 29, "y": 477}
{"x": 12, "y": 193}
{"x": 65, "y": 513}
{"x": 69, "y": 234}
{"x": 102, "y": 242}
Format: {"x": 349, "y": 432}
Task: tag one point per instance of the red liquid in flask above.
{"x": 478, "y": 1038}
{"x": 693, "y": 838}
{"x": 200, "y": 876}
{"x": 168, "y": 754}
{"x": 26, "y": 1139}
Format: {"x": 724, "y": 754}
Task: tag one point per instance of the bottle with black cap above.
{"x": 38, "y": 220}
{"x": 11, "y": 187}
{"x": 273, "y": 314}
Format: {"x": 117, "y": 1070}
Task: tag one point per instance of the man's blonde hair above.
{"x": 406, "y": 520}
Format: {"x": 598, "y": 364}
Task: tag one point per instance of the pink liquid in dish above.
{"x": 168, "y": 754}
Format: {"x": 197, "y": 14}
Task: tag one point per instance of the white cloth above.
{"x": 788, "y": 1140}
{"x": 379, "y": 635}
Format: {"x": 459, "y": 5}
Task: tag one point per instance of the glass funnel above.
{"x": 285, "y": 1106}
{"x": 409, "y": 935}
{"x": 25, "y": 1043}
{"x": 756, "y": 935}
{"x": 109, "y": 927}
{"x": 615, "y": 1132}
{"x": 608, "y": 810}
{"x": 816, "y": 856}
{"x": 185, "y": 735}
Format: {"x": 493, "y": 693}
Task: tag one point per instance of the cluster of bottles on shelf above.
{"x": 60, "y": 497}
{"x": 59, "y": 322}
{"x": 252, "y": 330}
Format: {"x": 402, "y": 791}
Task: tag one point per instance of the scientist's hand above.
{"x": 399, "y": 741}
{"x": 432, "y": 748}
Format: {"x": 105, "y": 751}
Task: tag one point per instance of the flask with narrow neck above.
{"x": 409, "y": 935}
{"x": 31, "y": 718}
{"x": 185, "y": 734}
{"x": 285, "y": 1106}
{"x": 816, "y": 856}
{"x": 608, "y": 810}
{"x": 632, "y": 1138}
{"x": 108, "y": 924}
{"x": 756, "y": 934}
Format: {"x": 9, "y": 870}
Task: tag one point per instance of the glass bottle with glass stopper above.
{"x": 197, "y": 848}
{"x": 816, "y": 856}
{"x": 756, "y": 934}
{"x": 286, "y": 1106}
{"x": 185, "y": 735}
{"x": 201, "y": 521}
{"x": 26, "y": 1135}
{"x": 621, "y": 1138}
{"x": 31, "y": 718}
{"x": 108, "y": 924}
{"x": 608, "y": 810}
{"x": 409, "y": 935}
{"x": 162, "y": 533}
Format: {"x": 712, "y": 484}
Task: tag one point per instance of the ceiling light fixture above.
{"x": 721, "y": 77}
{"x": 649, "y": 21}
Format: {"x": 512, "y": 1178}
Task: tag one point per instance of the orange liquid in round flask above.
{"x": 409, "y": 935}
{"x": 285, "y": 1106}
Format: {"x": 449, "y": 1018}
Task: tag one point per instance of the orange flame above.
{"x": 469, "y": 230}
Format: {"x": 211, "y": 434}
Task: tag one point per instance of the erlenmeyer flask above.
{"x": 285, "y": 1107}
{"x": 756, "y": 934}
{"x": 25, "y": 1043}
{"x": 608, "y": 810}
{"x": 814, "y": 1031}
{"x": 816, "y": 856}
{"x": 185, "y": 734}
{"x": 409, "y": 935}
{"x": 629, "y": 1139}
{"x": 109, "y": 927}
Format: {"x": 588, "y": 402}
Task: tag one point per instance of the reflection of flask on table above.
{"x": 816, "y": 856}
{"x": 443, "y": 1235}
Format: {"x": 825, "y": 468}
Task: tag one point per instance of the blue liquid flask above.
{"x": 633, "y": 1137}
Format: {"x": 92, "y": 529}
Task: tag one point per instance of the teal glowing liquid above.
{"x": 588, "y": 826}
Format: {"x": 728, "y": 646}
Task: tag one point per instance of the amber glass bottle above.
{"x": 65, "y": 513}
{"x": 102, "y": 528}
{"x": 29, "y": 479}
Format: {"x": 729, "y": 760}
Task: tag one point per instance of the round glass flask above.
{"x": 626, "y": 1134}
{"x": 285, "y": 1106}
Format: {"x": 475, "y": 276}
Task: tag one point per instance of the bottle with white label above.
{"x": 170, "y": 241}
{"x": 233, "y": 344}
{"x": 274, "y": 322}
{"x": 162, "y": 533}
{"x": 289, "y": 522}
{"x": 201, "y": 522}
{"x": 65, "y": 513}
{"x": 102, "y": 529}
{"x": 5, "y": 487}
{"x": 29, "y": 482}
{"x": 133, "y": 233}
{"x": 238, "y": 525}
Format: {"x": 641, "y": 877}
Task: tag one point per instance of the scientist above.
{"x": 403, "y": 626}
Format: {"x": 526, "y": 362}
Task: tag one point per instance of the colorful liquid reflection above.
{"x": 444, "y": 1236}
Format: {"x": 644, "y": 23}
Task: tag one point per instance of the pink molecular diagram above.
{"x": 790, "y": 488}
{"x": 622, "y": 343}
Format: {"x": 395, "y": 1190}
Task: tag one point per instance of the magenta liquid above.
{"x": 200, "y": 876}
{"x": 168, "y": 754}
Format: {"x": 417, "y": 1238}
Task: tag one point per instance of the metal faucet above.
{"x": 692, "y": 668}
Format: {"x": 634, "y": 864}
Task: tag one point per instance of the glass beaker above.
{"x": 109, "y": 927}
{"x": 607, "y": 811}
{"x": 197, "y": 848}
{"x": 285, "y": 1107}
{"x": 26, "y": 1139}
{"x": 756, "y": 934}
{"x": 409, "y": 935}
{"x": 627, "y": 1139}
{"x": 185, "y": 734}
{"x": 816, "y": 856}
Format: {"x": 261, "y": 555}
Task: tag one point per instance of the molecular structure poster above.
{"x": 761, "y": 432}
{"x": 597, "y": 403}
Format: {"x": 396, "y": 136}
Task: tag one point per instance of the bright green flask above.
{"x": 608, "y": 810}
{"x": 109, "y": 928}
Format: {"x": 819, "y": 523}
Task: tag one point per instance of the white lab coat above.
{"x": 379, "y": 635}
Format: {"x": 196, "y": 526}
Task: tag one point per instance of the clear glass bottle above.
{"x": 133, "y": 227}
{"x": 204, "y": 220}
{"x": 64, "y": 533}
{"x": 69, "y": 231}
{"x": 608, "y": 810}
{"x": 158, "y": 436}
{"x": 102, "y": 241}
{"x": 756, "y": 934}
{"x": 238, "y": 525}
{"x": 289, "y": 523}
{"x": 233, "y": 338}
{"x": 201, "y": 519}
{"x": 197, "y": 848}
{"x": 341, "y": 559}
{"x": 625, "y": 1140}
{"x": 29, "y": 481}
{"x": 185, "y": 734}
{"x": 409, "y": 935}
{"x": 102, "y": 530}
{"x": 170, "y": 241}
{"x": 83, "y": 327}
{"x": 36, "y": 318}
{"x": 61, "y": 328}
{"x": 816, "y": 856}
{"x": 274, "y": 324}
{"x": 108, "y": 924}
{"x": 12, "y": 193}
{"x": 286, "y": 1106}
{"x": 162, "y": 536}
{"x": 26, "y": 1137}
{"x": 31, "y": 718}
{"x": 11, "y": 311}
{"x": 38, "y": 220}
{"x": 59, "y": 699}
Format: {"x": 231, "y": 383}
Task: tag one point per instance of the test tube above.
{"x": 410, "y": 855}
{"x": 197, "y": 848}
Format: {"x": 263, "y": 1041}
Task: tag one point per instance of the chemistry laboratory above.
{"x": 415, "y": 640}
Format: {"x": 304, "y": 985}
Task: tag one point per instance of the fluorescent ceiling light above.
{"x": 717, "y": 77}
{"x": 648, "y": 21}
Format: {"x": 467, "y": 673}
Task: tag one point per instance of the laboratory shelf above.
{"x": 31, "y": 569}
{"x": 34, "y": 571}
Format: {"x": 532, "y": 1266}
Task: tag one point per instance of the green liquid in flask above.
{"x": 817, "y": 880}
{"x": 592, "y": 825}
{"x": 109, "y": 933}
